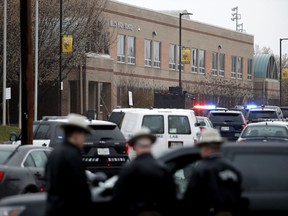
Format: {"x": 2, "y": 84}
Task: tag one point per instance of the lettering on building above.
{"x": 121, "y": 25}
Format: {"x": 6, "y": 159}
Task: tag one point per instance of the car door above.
{"x": 35, "y": 162}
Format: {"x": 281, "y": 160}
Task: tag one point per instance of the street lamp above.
{"x": 180, "y": 45}
{"x": 281, "y": 39}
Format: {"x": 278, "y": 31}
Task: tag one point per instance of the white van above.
{"x": 173, "y": 127}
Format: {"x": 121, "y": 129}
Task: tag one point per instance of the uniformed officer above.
{"x": 68, "y": 192}
{"x": 145, "y": 186}
{"x": 214, "y": 187}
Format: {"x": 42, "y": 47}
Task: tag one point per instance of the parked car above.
{"x": 173, "y": 127}
{"x": 263, "y": 114}
{"x": 229, "y": 123}
{"x": 263, "y": 167}
{"x": 265, "y": 131}
{"x": 105, "y": 149}
{"x": 22, "y": 169}
{"x": 204, "y": 122}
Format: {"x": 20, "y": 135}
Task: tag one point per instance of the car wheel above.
{"x": 30, "y": 189}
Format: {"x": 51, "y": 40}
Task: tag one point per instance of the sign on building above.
{"x": 186, "y": 55}
{"x": 284, "y": 73}
{"x": 67, "y": 44}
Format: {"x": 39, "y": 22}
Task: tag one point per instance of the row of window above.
{"x": 198, "y": 58}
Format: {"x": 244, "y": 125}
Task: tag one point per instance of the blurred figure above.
{"x": 145, "y": 187}
{"x": 67, "y": 188}
{"x": 214, "y": 187}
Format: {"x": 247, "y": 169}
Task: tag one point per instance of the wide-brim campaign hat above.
{"x": 210, "y": 136}
{"x": 77, "y": 121}
{"x": 142, "y": 133}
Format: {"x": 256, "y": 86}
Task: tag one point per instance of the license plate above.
{"x": 103, "y": 151}
{"x": 224, "y": 128}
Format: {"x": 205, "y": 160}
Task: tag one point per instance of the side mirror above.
{"x": 13, "y": 137}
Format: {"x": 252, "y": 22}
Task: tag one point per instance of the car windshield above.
{"x": 226, "y": 117}
{"x": 105, "y": 133}
{"x": 265, "y": 131}
{"x": 4, "y": 155}
{"x": 265, "y": 114}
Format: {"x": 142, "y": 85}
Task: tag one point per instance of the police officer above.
{"x": 214, "y": 187}
{"x": 67, "y": 188}
{"x": 144, "y": 187}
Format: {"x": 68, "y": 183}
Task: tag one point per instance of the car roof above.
{"x": 227, "y": 111}
{"x": 201, "y": 117}
{"x": 225, "y": 147}
{"x": 263, "y": 109}
{"x": 8, "y": 147}
{"x": 90, "y": 122}
{"x": 274, "y": 123}
{"x": 12, "y": 147}
{"x": 153, "y": 110}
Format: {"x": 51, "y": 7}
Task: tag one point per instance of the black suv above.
{"x": 105, "y": 149}
{"x": 229, "y": 123}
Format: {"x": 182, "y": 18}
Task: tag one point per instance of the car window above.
{"x": 285, "y": 113}
{"x": 117, "y": 117}
{"x": 262, "y": 114}
{"x": 226, "y": 117}
{"x": 104, "y": 133}
{"x": 4, "y": 155}
{"x": 265, "y": 131}
{"x": 178, "y": 125}
{"x": 29, "y": 162}
{"x": 154, "y": 122}
{"x": 39, "y": 158}
{"x": 259, "y": 170}
{"x": 43, "y": 132}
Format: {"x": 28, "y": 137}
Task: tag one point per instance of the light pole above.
{"x": 281, "y": 39}
{"x": 4, "y": 63}
{"x": 180, "y": 45}
{"x": 60, "y": 62}
{"x": 36, "y": 60}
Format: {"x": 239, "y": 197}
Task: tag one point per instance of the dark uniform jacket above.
{"x": 145, "y": 185}
{"x": 67, "y": 187}
{"x": 214, "y": 186}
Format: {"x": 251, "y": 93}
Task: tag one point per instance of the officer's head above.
{"x": 76, "y": 129}
{"x": 142, "y": 141}
{"x": 210, "y": 142}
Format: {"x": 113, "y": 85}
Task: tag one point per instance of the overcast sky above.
{"x": 267, "y": 20}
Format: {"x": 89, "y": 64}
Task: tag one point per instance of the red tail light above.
{"x": 127, "y": 148}
{"x": 1, "y": 176}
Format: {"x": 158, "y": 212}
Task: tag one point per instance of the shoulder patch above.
{"x": 228, "y": 174}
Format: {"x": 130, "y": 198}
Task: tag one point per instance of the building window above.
{"x": 194, "y": 60}
{"x": 156, "y": 48}
{"x": 121, "y": 48}
{"x": 249, "y": 69}
{"x": 221, "y": 64}
{"x": 233, "y": 66}
{"x": 148, "y": 59}
{"x": 214, "y": 64}
{"x": 172, "y": 57}
{"x": 202, "y": 61}
{"x": 240, "y": 68}
{"x": 131, "y": 50}
{"x": 182, "y": 65}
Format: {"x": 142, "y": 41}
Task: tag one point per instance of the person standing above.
{"x": 67, "y": 187}
{"x": 214, "y": 187}
{"x": 145, "y": 186}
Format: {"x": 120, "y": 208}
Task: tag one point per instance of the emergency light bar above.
{"x": 208, "y": 107}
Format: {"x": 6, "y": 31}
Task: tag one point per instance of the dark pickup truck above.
{"x": 264, "y": 168}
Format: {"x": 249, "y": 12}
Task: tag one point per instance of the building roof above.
{"x": 175, "y": 13}
{"x": 265, "y": 66}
